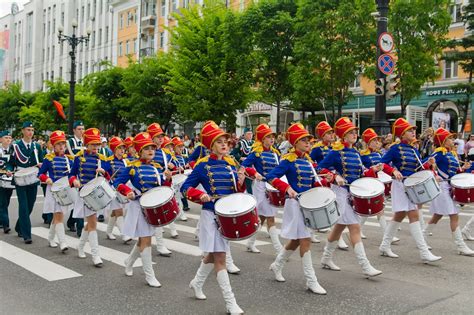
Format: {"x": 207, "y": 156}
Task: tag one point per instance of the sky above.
{"x": 5, "y": 6}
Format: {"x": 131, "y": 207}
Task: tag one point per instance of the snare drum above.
{"x": 159, "y": 206}
{"x": 121, "y": 198}
{"x": 421, "y": 187}
{"x": 367, "y": 196}
{"x": 237, "y": 216}
{"x": 26, "y": 176}
{"x": 63, "y": 193}
{"x": 275, "y": 197}
{"x": 178, "y": 181}
{"x": 387, "y": 181}
{"x": 97, "y": 194}
{"x": 319, "y": 208}
{"x": 6, "y": 182}
{"x": 463, "y": 188}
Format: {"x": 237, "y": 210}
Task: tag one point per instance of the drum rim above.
{"x": 421, "y": 182}
{"x": 153, "y": 189}
{"x": 367, "y": 197}
{"x": 459, "y": 175}
{"x": 100, "y": 179}
{"x": 240, "y": 213}
{"x": 160, "y": 225}
{"x": 57, "y": 186}
{"x": 313, "y": 189}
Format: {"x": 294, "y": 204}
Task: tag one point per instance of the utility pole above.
{"x": 73, "y": 41}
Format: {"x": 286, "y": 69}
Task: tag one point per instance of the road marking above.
{"x": 37, "y": 196}
{"x": 105, "y": 253}
{"x": 36, "y": 264}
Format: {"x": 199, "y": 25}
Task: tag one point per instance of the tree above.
{"x": 334, "y": 45}
{"x": 463, "y": 53}
{"x": 419, "y": 29}
{"x": 271, "y": 25}
{"x": 145, "y": 84}
{"x": 212, "y": 69}
{"x": 12, "y": 99}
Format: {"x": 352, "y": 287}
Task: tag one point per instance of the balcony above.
{"x": 147, "y": 52}
{"x": 148, "y": 22}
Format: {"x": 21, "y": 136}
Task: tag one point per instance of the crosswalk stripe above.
{"x": 39, "y": 266}
{"x": 106, "y": 253}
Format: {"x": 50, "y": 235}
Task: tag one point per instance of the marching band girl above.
{"x": 217, "y": 175}
{"x": 144, "y": 174}
{"x": 447, "y": 166}
{"x": 405, "y": 159}
{"x": 87, "y": 165}
{"x": 298, "y": 169}
{"x": 345, "y": 160}
{"x": 131, "y": 153}
{"x": 56, "y": 165}
{"x": 181, "y": 162}
{"x": 115, "y": 163}
{"x": 264, "y": 157}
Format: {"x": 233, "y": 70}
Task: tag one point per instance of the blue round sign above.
{"x": 386, "y": 64}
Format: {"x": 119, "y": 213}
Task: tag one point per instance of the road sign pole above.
{"x": 380, "y": 123}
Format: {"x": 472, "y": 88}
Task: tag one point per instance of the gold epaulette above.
{"x": 364, "y": 152}
{"x": 441, "y": 149}
{"x": 291, "y": 157}
{"x": 156, "y": 164}
{"x": 80, "y": 153}
{"x": 110, "y": 158}
{"x": 203, "y": 159}
{"x": 337, "y": 146}
{"x": 49, "y": 156}
{"x": 230, "y": 160}
{"x": 102, "y": 157}
{"x": 318, "y": 144}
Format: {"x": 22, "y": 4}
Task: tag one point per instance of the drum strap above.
{"x": 316, "y": 177}
{"x": 158, "y": 177}
{"x": 233, "y": 178}
{"x": 67, "y": 165}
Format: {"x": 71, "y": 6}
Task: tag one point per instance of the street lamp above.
{"x": 73, "y": 41}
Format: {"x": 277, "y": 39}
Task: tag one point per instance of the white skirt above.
{"x": 292, "y": 227}
{"x": 81, "y": 210}
{"x": 50, "y": 204}
{"x": 115, "y": 205}
{"x": 134, "y": 224}
{"x": 400, "y": 200}
{"x": 444, "y": 204}
{"x": 348, "y": 215}
{"x": 264, "y": 208}
{"x": 210, "y": 239}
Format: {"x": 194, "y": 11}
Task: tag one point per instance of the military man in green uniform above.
{"x": 6, "y": 189}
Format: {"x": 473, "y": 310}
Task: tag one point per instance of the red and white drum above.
{"x": 387, "y": 181}
{"x": 159, "y": 206}
{"x": 463, "y": 188}
{"x": 274, "y": 196}
{"x": 367, "y": 196}
{"x": 237, "y": 216}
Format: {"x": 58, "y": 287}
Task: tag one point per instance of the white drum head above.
{"x": 27, "y": 171}
{"x": 60, "y": 184}
{"x": 384, "y": 177}
{"x": 366, "y": 187}
{"x": 178, "y": 179}
{"x": 269, "y": 187}
{"x": 463, "y": 180}
{"x": 418, "y": 178}
{"x": 90, "y": 186}
{"x": 235, "y": 204}
{"x": 316, "y": 197}
{"x": 156, "y": 197}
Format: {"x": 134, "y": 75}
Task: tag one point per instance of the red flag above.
{"x": 59, "y": 109}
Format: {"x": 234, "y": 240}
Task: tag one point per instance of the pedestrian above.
{"x": 459, "y": 145}
{"x": 285, "y": 145}
{"x": 426, "y": 142}
{"x": 6, "y": 186}
{"x": 469, "y": 148}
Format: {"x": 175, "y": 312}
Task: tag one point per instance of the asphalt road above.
{"x": 406, "y": 286}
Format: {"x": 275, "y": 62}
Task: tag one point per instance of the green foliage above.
{"x": 12, "y": 99}
{"x": 419, "y": 29}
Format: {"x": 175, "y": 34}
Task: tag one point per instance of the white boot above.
{"x": 94, "y": 243}
{"x": 61, "y": 237}
{"x": 196, "y": 231}
{"x": 251, "y": 244}
{"x": 198, "y": 282}
{"x": 367, "y": 268}
{"x": 466, "y": 231}
{"x": 148, "y": 268}
{"x": 131, "y": 260}
{"x": 421, "y": 219}
{"x": 183, "y": 216}
{"x": 126, "y": 239}
{"x": 160, "y": 243}
{"x": 229, "y": 263}
{"x": 390, "y": 230}
{"x": 311, "y": 281}
{"x": 82, "y": 243}
{"x": 52, "y": 235}
{"x": 110, "y": 228}
{"x": 462, "y": 247}
{"x": 341, "y": 244}
{"x": 362, "y": 222}
{"x": 279, "y": 263}
{"x": 425, "y": 254}
{"x": 314, "y": 237}
{"x": 173, "y": 231}
{"x": 383, "y": 225}
{"x": 229, "y": 298}
{"x": 428, "y": 231}
{"x": 272, "y": 231}
{"x": 326, "y": 260}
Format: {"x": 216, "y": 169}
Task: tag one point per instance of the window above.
{"x": 127, "y": 47}
{"x": 356, "y": 83}
{"x": 129, "y": 18}
{"x": 44, "y": 29}
{"x": 93, "y": 39}
{"x": 86, "y": 68}
{"x": 88, "y": 10}
{"x": 99, "y": 42}
{"x": 174, "y": 5}
{"x": 120, "y": 49}
{"x": 101, "y": 7}
{"x": 47, "y": 54}
{"x": 186, "y": 3}
{"x": 82, "y": 13}
{"x": 450, "y": 69}
{"x": 49, "y": 27}
{"x": 135, "y": 47}
{"x": 163, "y": 7}
{"x": 62, "y": 18}
{"x": 121, "y": 21}
{"x": 106, "y": 34}
{"x": 54, "y": 26}
{"x": 61, "y": 49}
{"x": 455, "y": 11}
{"x": 52, "y": 75}
{"x": 52, "y": 53}
{"x": 162, "y": 39}
{"x": 152, "y": 41}
{"x": 61, "y": 72}
{"x": 94, "y": 5}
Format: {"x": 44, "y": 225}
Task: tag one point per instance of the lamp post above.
{"x": 380, "y": 123}
{"x": 73, "y": 41}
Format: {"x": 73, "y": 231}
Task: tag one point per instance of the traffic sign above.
{"x": 386, "y": 64}
{"x": 386, "y": 42}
